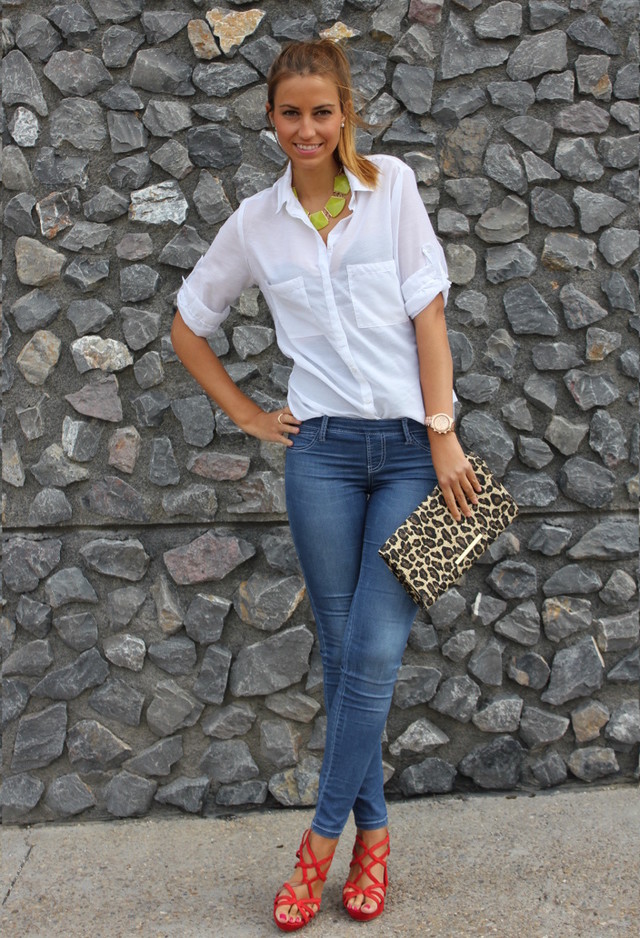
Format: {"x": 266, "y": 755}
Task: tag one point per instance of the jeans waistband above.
{"x": 361, "y": 426}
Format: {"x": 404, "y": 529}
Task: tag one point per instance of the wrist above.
{"x": 440, "y": 424}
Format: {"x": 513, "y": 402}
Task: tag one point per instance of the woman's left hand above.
{"x": 456, "y": 478}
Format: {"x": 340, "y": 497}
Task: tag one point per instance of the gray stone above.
{"x": 197, "y": 501}
{"x": 36, "y": 264}
{"x": 515, "y": 96}
{"x": 171, "y": 709}
{"x": 572, "y": 579}
{"x": 160, "y": 26}
{"x": 79, "y": 122}
{"x": 131, "y": 172}
{"x": 86, "y": 273}
{"x": 528, "y": 312}
{"x": 508, "y": 262}
{"x": 65, "y": 683}
{"x": 159, "y": 758}
{"x": 591, "y": 32}
{"x": 499, "y": 21}
{"x": 502, "y": 164}
{"x": 26, "y": 562}
{"x": 163, "y": 467}
{"x": 98, "y": 399}
{"x": 470, "y": 194}
{"x": 158, "y": 204}
{"x": 176, "y": 655}
{"x": 15, "y": 697}
{"x": 122, "y": 97}
{"x": 173, "y": 158}
{"x": 433, "y": 775}
{"x": 474, "y": 308}
{"x": 40, "y": 738}
{"x": 565, "y": 251}
{"x": 279, "y": 551}
{"x": 91, "y": 352}
{"x": 501, "y": 715}
{"x": 588, "y": 719}
{"x": 607, "y": 439}
{"x": 30, "y": 660}
{"x": 415, "y": 684}
{"x": 579, "y": 310}
{"x": 116, "y": 11}
{"x": 407, "y": 129}
{"x": 535, "y": 134}
{"x": 618, "y": 633}
{"x": 534, "y": 452}
{"x": 619, "y": 589}
{"x": 627, "y": 670}
{"x": 529, "y": 670}
{"x": 576, "y": 671}
{"x": 513, "y": 579}
{"x": 187, "y": 793}
{"x": 242, "y": 793}
{"x": 117, "y": 700}
{"x": 207, "y": 557}
{"x": 119, "y": 44}
{"x": 521, "y": 625}
{"x": 78, "y": 630}
{"x": 166, "y": 118}
{"x": 626, "y": 83}
{"x": 537, "y": 170}
{"x": 626, "y": 114}
{"x": 77, "y": 73}
{"x": 211, "y": 683}
{"x": 538, "y": 727}
{"x": 531, "y": 490}
{"x": 20, "y": 794}
{"x": 33, "y": 616}
{"x": 126, "y": 559}
{"x": 151, "y": 406}
{"x": 112, "y": 497}
{"x": 227, "y": 761}
{"x": 576, "y": 159}
{"x": 457, "y": 103}
{"x": 124, "y": 449}
{"x": 589, "y": 390}
{"x": 122, "y": 605}
{"x": 36, "y": 37}
{"x": 234, "y": 720}
{"x": 583, "y": 118}
{"x": 86, "y": 234}
{"x": 592, "y": 72}
{"x": 545, "y": 13}
{"x": 205, "y": 617}
{"x": 54, "y": 469}
{"x": 272, "y": 665}
{"x": 418, "y": 737}
{"x": 134, "y": 247}
{"x": 279, "y": 743}
{"x": 49, "y": 507}
{"x": 20, "y": 83}
{"x": 35, "y": 310}
{"x": 74, "y": 22}
{"x": 413, "y": 85}
{"x": 210, "y": 199}
{"x": 596, "y": 209}
{"x": 550, "y": 770}
{"x": 486, "y": 663}
{"x": 497, "y": 765}
{"x": 139, "y": 326}
{"x": 18, "y": 214}
{"x": 457, "y": 697}
{"x": 617, "y": 292}
{"x": 507, "y": 222}
{"x": 460, "y": 645}
{"x": 551, "y": 209}
{"x": 555, "y": 356}
{"x": 267, "y": 602}
{"x": 464, "y": 148}
{"x": 462, "y": 54}
{"x": 452, "y": 223}
{"x": 184, "y": 250}
{"x": 537, "y": 55}
{"x": 293, "y": 705}
{"x": 162, "y": 73}
{"x": 68, "y": 795}
{"x": 565, "y": 615}
{"x": 148, "y": 370}
{"x": 128, "y": 795}
{"x": 449, "y": 607}
{"x": 461, "y": 263}
{"x": 593, "y": 762}
{"x": 623, "y": 729}
{"x": 517, "y": 414}
{"x": 618, "y": 244}
{"x": 89, "y": 316}
{"x": 125, "y": 651}
{"x": 486, "y": 609}
{"x": 126, "y": 132}
{"x": 488, "y": 437}
{"x": 297, "y": 786}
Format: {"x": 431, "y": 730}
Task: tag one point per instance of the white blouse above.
{"x": 342, "y": 311}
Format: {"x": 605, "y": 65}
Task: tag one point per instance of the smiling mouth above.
{"x": 307, "y": 148}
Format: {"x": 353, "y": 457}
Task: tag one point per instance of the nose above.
{"x": 306, "y": 128}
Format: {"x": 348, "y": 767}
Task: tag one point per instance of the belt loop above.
{"x": 405, "y": 430}
{"x": 323, "y": 428}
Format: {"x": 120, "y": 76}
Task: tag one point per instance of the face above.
{"x": 307, "y": 116}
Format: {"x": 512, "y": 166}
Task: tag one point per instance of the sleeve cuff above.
{"x": 198, "y": 317}
{"x": 425, "y": 284}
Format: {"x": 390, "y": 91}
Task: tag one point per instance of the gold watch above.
{"x": 440, "y": 423}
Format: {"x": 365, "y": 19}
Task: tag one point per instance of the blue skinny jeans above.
{"x": 349, "y": 483}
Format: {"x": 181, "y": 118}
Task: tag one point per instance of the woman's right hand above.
{"x": 272, "y": 426}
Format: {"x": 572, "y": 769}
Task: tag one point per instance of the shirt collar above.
{"x": 284, "y": 192}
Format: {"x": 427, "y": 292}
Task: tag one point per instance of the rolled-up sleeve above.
{"x": 422, "y": 267}
{"x": 217, "y": 280}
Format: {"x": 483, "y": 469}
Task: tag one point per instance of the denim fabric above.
{"x": 349, "y": 484}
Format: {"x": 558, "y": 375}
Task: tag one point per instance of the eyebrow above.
{"x": 315, "y": 108}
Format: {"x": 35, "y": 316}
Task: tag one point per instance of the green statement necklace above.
{"x": 335, "y": 204}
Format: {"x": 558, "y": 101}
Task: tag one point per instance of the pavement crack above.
{"x": 15, "y": 878}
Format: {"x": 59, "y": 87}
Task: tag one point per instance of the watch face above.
{"x": 441, "y": 423}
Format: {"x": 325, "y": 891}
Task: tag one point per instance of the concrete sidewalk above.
{"x": 557, "y": 865}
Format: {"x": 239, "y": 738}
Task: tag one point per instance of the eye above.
{"x": 289, "y": 113}
{"x": 325, "y": 112}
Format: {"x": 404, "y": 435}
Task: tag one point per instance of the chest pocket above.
{"x": 376, "y": 294}
{"x": 291, "y": 306}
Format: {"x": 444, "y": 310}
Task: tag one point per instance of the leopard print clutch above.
{"x": 430, "y": 551}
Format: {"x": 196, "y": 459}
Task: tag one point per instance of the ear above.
{"x": 269, "y": 111}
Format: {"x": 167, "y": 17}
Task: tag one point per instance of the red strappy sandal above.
{"x": 305, "y": 904}
{"x": 377, "y": 890}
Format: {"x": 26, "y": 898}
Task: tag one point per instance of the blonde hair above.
{"x": 325, "y": 57}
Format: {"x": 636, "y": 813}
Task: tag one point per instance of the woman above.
{"x": 344, "y": 253}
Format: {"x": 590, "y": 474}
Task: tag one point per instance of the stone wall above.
{"x": 158, "y": 646}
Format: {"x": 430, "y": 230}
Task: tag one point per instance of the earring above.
{"x": 342, "y": 125}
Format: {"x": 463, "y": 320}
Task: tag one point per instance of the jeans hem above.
{"x": 373, "y": 825}
{"x": 331, "y": 835}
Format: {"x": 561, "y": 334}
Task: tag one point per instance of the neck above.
{"x": 314, "y": 183}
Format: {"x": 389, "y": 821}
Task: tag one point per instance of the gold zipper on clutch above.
{"x": 464, "y": 553}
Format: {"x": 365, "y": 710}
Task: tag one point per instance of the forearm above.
{"x": 201, "y": 361}
{"x": 434, "y": 357}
